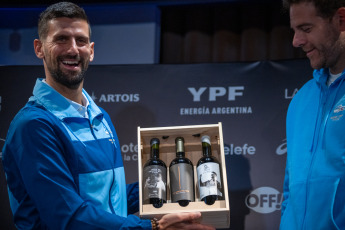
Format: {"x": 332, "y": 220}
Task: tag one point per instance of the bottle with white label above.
{"x": 208, "y": 174}
{"x": 155, "y": 177}
{"x": 181, "y": 176}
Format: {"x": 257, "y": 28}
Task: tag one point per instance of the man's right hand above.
{"x": 186, "y": 220}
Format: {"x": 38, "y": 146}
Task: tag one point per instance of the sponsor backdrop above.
{"x": 250, "y": 99}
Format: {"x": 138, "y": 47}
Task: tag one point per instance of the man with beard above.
{"x": 314, "y": 186}
{"x": 62, "y": 157}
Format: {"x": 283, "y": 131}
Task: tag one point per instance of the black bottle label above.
{"x": 181, "y": 182}
{"x": 209, "y": 179}
{"x": 154, "y": 179}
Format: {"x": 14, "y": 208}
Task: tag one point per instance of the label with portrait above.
{"x": 209, "y": 179}
{"x": 154, "y": 181}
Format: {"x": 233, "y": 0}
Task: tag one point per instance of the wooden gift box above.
{"x": 218, "y": 214}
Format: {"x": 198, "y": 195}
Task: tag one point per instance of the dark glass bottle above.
{"x": 208, "y": 171}
{"x": 154, "y": 177}
{"x": 181, "y": 176}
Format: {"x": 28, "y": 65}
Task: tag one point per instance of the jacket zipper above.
{"x": 113, "y": 172}
{"x": 321, "y": 122}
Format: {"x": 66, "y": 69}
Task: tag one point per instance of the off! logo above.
{"x": 264, "y": 200}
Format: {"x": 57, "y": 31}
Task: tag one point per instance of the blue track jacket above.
{"x": 314, "y": 186}
{"x": 65, "y": 171}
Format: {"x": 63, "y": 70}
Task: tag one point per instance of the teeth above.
{"x": 70, "y": 62}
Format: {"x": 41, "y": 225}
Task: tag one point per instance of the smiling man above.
{"x": 62, "y": 157}
{"x": 66, "y": 50}
{"x": 314, "y": 186}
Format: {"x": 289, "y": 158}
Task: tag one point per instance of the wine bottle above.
{"x": 181, "y": 176}
{"x": 155, "y": 177}
{"x": 208, "y": 174}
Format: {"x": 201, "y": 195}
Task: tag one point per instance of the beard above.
{"x": 329, "y": 52}
{"x": 327, "y": 57}
{"x": 70, "y": 79}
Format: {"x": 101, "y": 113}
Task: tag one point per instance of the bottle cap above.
{"x": 206, "y": 139}
{"x": 179, "y": 138}
{"x": 154, "y": 141}
{"x": 179, "y": 141}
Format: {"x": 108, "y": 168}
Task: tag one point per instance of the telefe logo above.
{"x": 239, "y": 150}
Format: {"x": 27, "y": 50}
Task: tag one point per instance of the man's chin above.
{"x": 315, "y": 64}
{"x": 70, "y": 81}
{"x": 73, "y": 86}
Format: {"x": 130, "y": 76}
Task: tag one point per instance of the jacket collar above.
{"x": 321, "y": 76}
{"x": 57, "y": 104}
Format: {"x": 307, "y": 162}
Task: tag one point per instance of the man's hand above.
{"x": 188, "y": 220}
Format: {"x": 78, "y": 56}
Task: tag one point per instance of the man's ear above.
{"x": 92, "y": 51}
{"x": 341, "y": 14}
{"x": 38, "y": 48}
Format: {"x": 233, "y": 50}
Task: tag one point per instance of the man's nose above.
{"x": 73, "y": 47}
{"x": 298, "y": 40}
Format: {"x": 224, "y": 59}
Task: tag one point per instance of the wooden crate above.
{"x": 218, "y": 214}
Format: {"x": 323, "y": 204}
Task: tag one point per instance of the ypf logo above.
{"x": 214, "y": 92}
{"x": 264, "y": 200}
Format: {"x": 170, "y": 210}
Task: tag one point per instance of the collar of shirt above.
{"x": 332, "y": 78}
{"x": 82, "y": 109}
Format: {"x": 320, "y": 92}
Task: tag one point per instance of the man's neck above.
{"x": 72, "y": 94}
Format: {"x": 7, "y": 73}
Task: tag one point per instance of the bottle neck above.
{"x": 180, "y": 154}
{"x": 155, "y": 151}
{"x": 206, "y": 149}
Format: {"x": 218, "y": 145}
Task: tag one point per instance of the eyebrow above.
{"x": 67, "y": 35}
{"x": 302, "y": 25}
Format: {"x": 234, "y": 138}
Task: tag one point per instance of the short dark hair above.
{"x": 325, "y": 8}
{"x": 59, "y": 10}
